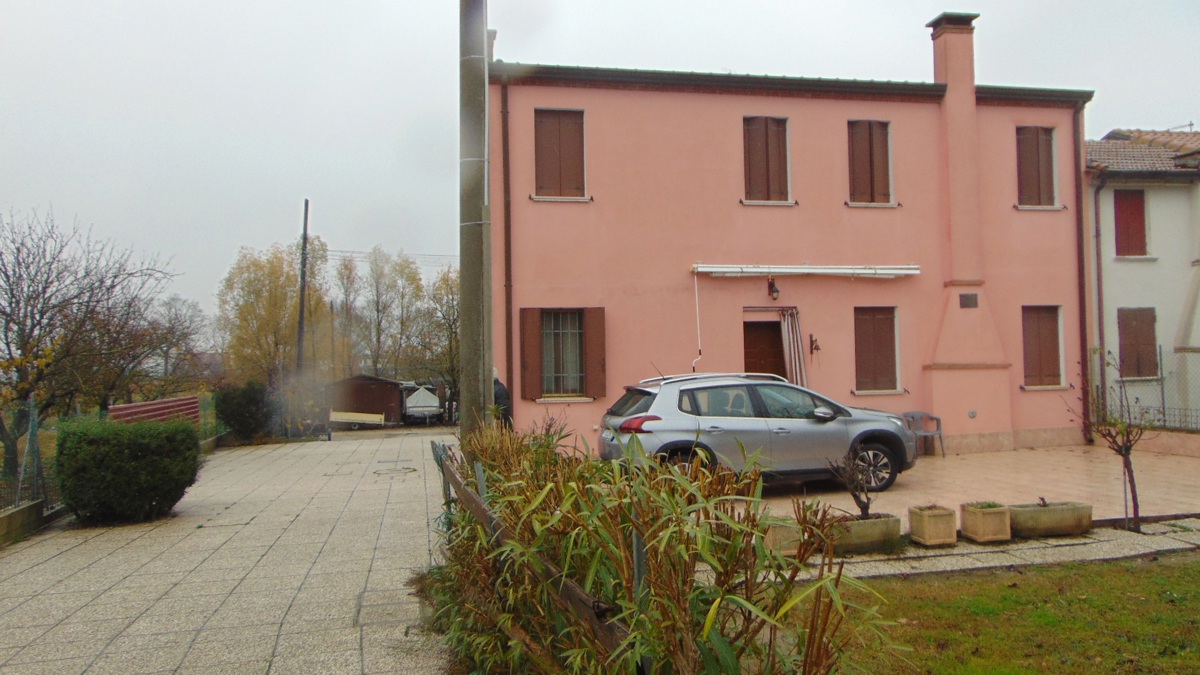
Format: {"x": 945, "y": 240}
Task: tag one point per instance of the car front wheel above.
{"x": 879, "y": 468}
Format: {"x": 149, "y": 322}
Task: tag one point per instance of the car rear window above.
{"x": 633, "y": 402}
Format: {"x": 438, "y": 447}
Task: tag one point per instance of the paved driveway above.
{"x": 288, "y": 558}
{"x": 1167, "y": 484}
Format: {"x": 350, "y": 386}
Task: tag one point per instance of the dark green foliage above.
{"x": 114, "y": 472}
{"x": 245, "y": 409}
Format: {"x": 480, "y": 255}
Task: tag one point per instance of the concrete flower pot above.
{"x": 932, "y": 525}
{"x": 984, "y": 522}
{"x": 880, "y": 532}
{"x": 1055, "y": 519}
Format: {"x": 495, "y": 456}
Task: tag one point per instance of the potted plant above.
{"x": 932, "y": 525}
{"x": 867, "y": 531}
{"x": 1050, "y": 519}
{"x": 985, "y": 521}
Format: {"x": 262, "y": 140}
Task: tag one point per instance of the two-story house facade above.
{"x": 893, "y": 245}
{"x": 1145, "y": 193}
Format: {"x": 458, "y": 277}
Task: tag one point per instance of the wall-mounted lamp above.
{"x": 813, "y": 345}
{"x": 772, "y": 288}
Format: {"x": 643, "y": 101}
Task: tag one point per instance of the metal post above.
{"x": 474, "y": 218}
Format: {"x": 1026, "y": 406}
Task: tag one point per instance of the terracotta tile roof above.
{"x": 1181, "y": 141}
{"x": 1142, "y": 150}
{"x": 1129, "y": 156}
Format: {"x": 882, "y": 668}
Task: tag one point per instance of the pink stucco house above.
{"x": 894, "y": 245}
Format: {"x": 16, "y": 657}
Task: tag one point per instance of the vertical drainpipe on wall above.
{"x": 1080, "y": 260}
{"x": 508, "y": 285}
{"x": 1100, "y": 337}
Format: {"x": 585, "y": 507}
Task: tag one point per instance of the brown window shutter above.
{"x": 571, "y": 153}
{"x": 777, "y": 182}
{"x": 1138, "y": 342}
{"x": 531, "y": 353}
{"x": 881, "y": 189}
{"x": 1045, "y": 167}
{"x": 754, "y": 133}
{"x": 594, "y": 363}
{"x": 1027, "y": 163}
{"x": 859, "y": 133}
{"x": 1129, "y": 211}
{"x": 546, "y": 152}
{"x": 875, "y": 348}
{"x": 1040, "y": 341}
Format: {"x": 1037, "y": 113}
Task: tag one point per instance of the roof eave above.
{"x": 999, "y": 94}
{"x": 618, "y": 77}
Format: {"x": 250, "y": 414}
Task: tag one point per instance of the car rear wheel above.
{"x": 880, "y": 468}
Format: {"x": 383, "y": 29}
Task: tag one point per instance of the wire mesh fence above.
{"x": 1170, "y": 401}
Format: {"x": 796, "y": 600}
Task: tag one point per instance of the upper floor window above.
{"x": 875, "y": 349}
{"x": 870, "y": 169}
{"x": 1040, "y": 340}
{"x": 1129, "y": 216}
{"x": 1139, "y": 344}
{"x": 558, "y": 153}
{"x": 1035, "y": 166}
{"x": 766, "y": 158}
{"x": 562, "y": 352}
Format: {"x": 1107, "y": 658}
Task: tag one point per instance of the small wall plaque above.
{"x": 966, "y": 300}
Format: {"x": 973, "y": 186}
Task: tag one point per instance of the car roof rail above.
{"x": 708, "y": 376}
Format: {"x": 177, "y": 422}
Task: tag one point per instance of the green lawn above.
{"x": 1130, "y": 616}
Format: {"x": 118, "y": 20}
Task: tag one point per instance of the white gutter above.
{"x": 869, "y": 271}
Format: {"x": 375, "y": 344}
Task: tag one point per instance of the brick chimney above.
{"x": 954, "y": 49}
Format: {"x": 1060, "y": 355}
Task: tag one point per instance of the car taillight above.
{"x": 634, "y": 425}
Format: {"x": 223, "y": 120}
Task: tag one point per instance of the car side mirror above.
{"x": 824, "y": 414}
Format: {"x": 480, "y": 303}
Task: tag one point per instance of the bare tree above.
{"x": 392, "y": 293}
{"x": 54, "y": 285}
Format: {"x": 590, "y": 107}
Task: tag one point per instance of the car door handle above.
{"x": 781, "y": 430}
{"x": 715, "y": 430}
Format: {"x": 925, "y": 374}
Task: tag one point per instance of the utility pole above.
{"x": 475, "y": 357}
{"x": 303, "y": 283}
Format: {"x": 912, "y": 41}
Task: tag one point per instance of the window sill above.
{"x": 564, "y": 399}
{"x": 1136, "y": 380}
{"x": 877, "y": 392}
{"x": 1136, "y": 258}
{"x": 1046, "y": 387}
{"x": 547, "y": 198}
{"x": 757, "y": 202}
{"x": 1033, "y": 207}
{"x": 873, "y": 205}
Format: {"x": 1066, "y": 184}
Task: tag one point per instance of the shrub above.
{"x": 676, "y": 553}
{"x": 114, "y": 472}
{"x": 245, "y": 409}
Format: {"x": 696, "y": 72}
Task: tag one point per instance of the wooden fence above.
{"x": 187, "y": 407}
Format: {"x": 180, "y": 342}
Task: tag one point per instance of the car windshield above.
{"x": 634, "y": 402}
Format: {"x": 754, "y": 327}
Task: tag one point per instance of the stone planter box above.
{"x": 985, "y": 524}
{"x": 932, "y": 525}
{"x": 1055, "y": 519}
{"x": 878, "y": 533}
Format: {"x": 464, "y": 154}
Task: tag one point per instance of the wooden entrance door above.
{"x": 764, "y": 347}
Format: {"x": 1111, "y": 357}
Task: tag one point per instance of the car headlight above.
{"x": 899, "y": 421}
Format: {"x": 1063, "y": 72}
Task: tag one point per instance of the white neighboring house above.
{"x": 1146, "y": 197}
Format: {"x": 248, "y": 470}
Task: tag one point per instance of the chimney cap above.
{"x": 957, "y": 19}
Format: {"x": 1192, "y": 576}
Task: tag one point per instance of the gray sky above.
{"x": 189, "y": 128}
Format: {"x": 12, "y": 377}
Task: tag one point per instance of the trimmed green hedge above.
{"x": 114, "y": 472}
{"x": 245, "y": 409}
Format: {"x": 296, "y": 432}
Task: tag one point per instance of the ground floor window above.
{"x": 1042, "y": 346}
{"x": 875, "y": 349}
{"x": 562, "y": 352}
{"x": 1139, "y": 344}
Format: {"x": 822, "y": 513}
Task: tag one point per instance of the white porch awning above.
{"x": 867, "y": 271}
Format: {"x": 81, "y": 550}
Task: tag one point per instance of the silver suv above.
{"x": 726, "y": 416}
